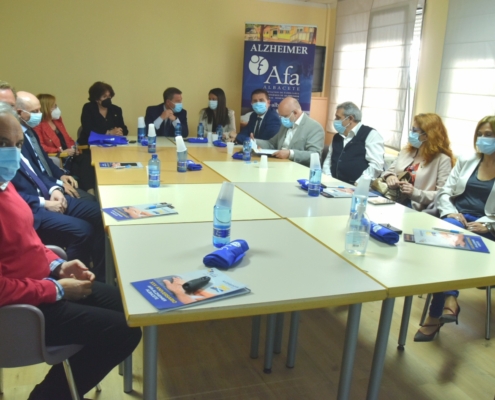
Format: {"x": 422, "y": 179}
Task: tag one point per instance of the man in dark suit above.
{"x": 28, "y": 104}
{"x": 264, "y": 122}
{"x": 167, "y": 115}
{"x": 58, "y": 219}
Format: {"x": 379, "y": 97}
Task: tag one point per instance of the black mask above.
{"x": 106, "y": 103}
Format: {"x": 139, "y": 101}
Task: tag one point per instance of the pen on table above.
{"x": 158, "y": 206}
{"x": 446, "y": 230}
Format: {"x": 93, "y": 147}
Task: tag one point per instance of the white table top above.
{"x": 193, "y": 202}
{"x": 408, "y": 268}
{"x": 289, "y": 200}
{"x": 240, "y": 171}
{"x": 282, "y": 276}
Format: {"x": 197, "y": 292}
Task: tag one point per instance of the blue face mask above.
{"x": 213, "y": 104}
{"x": 34, "y": 119}
{"x": 177, "y": 108}
{"x": 414, "y": 140}
{"x": 338, "y": 125}
{"x": 287, "y": 122}
{"x": 10, "y": 159}
{"x": 259, "y": 107}
{"x": 486, "y": 145}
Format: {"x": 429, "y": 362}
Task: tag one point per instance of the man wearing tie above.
{"x": 167, "y": 115}
{"x": 58, "y": 219}
{"x": 264, "y": 122}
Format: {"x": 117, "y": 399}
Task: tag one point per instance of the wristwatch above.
{"x": 488, "y": 226}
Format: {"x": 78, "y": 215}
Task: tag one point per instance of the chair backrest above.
{"x": 58, "y": 251}
{"x": 22, "y": 336}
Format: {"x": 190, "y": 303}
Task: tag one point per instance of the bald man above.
{"x": 298, "y": 137}
{"x": 76, "y": 309}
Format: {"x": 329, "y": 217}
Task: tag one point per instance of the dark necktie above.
{"x": 41, "y": 186}
{"x": 257, "y": 127}
{"x": 39, "y": 152}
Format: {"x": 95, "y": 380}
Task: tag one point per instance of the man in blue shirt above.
{"x": 264, "y": 122}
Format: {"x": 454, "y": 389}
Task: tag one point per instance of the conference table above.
{"x": 268, "y": 203}
{"x": 281, "y": 279}
{"x": 405, "y": 269}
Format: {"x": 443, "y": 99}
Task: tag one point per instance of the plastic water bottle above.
{"x": 314, "y": 175}
{"x": 178, "y": 129}
{"x": 141, "y": 132}
{"x": 360, "y": 195}
{"x": 220, "y": 132}
{"x": 181, "y": 154}
{"x": 358, "y": 231}
{"x": 151, "y": 138}
{"x": 201, "y": 130}
{"x": 222, "y": 215}
{"x": 154, "y": 172}
{"x": 246, "y": 150}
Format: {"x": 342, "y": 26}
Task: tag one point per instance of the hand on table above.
{"x": 284, "y": 153}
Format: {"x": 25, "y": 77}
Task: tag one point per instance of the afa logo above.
{"x": 258, "y": 65}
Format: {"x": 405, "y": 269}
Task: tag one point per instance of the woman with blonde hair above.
{"x": 55, "y": 139}
{"x": 467, "y": 200}
{"x": 427, "y": 157}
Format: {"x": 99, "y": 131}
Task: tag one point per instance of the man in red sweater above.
{"x": 77, "y": 309}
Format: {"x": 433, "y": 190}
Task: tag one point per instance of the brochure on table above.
{"x": 340, "y": 191}
{"x": 140, "y": 211}
{"x": 121, "y": 165}
{"x": 450, "y": 240}
{"x": 167, "y": 293}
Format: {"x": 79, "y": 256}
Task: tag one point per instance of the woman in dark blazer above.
{"x": 100, "y": 115}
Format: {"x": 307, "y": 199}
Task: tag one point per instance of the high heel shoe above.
{"x": 423, "y": 337}
{"x": 454, "y": 317}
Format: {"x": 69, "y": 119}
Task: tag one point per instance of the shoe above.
{"x": 454, "y": 317}
{"x": 422, "y": 337}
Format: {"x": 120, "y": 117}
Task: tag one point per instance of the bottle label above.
{"x": 154, "y": 176}
{"x": 221, "y": 232}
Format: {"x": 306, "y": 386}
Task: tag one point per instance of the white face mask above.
{"x": 56, "y": 114}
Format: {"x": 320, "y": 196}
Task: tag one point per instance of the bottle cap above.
{"x": 363, "y": 186}
{"x": 226, "y": 194}
{"x": 151, "y": 130}
{"x": 154, "y": 156}
{"x": 315, "y": 161}
{"x": 179, "y": 141}
{"x": 141, "y": 123}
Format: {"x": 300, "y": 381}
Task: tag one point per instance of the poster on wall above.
{"x": 279, "y": 59}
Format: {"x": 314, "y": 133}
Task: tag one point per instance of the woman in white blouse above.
{"x": 467, "y": 200}
{"x": 217, "y": 113}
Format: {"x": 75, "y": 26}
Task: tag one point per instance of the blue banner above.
{"x": 279, "y": 59}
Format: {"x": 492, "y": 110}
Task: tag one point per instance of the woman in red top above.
{"x": 55, "y": 139}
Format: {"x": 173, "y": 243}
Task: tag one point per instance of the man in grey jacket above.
{"x": 299, "y": 135}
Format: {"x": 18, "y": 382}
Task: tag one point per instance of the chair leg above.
{"x": 488, "y": 311}
{"x": 425, "y": 309}
{"x": 1, "y": 381}
{"x": 70, "y": 379}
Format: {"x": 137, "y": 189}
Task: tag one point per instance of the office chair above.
{"x": 22, "y": 340}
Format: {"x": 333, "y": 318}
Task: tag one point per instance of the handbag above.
{"x": 106, "y": 140}
{"x": 380, "y": 185}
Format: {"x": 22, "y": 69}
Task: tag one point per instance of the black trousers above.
{"x": 79, "y": 230}
{"x": 98, "y": 323}
{"x": 81, "y": 168}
